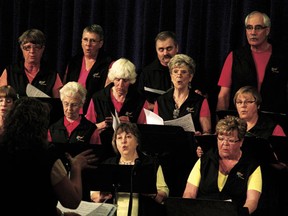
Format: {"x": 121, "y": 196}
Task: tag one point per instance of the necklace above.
{"x": 122, "y": 162}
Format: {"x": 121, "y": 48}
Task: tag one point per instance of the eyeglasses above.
{"x": 36, "y": 47}
{"x": 248, "y": 102}
{"x": 230, "y": 141}
{"x": 256, "y": 28}
{"x": 92, "y": 41}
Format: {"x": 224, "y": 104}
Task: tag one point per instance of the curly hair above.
{"x": 26, "y": 125}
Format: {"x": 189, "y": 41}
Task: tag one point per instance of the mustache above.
{"x": 167, "y": 56}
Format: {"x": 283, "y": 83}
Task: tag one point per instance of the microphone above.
{"x": 137, "y": 164}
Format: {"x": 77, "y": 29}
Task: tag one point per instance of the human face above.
{"x": 181, "y": 77}
{"x": 229, "y": 145}
{"x": 71, "y": 107}
{"x": 246, "y": 106}
{"x": 91, "y": 44}
{"x": 166, "y": 50}
{"x": 32, "y": 53}
{"x": 5, "y": 105}
{"x": 256, "y": 37}
{"x": 126, "y": 144}
{"x": 121, "y": 86}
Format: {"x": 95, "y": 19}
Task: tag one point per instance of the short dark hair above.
{"x": 34, "y": 36}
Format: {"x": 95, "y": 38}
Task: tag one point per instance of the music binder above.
{"x": 176, "y": 206}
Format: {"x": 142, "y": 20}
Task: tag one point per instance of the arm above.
{"x": 57, "y": 86}
{"x": 252, "y": 199}
{"x": 3, "y": 78}
{"x": 254, "y": 189}
{"x": 193, "y": 182}
{"x": 205, "y": 117}
{"x": 162, "y": 188}
{"x": 190, "y": 191}
{"x": 223, "y": 99}
{"x": 69, "y": 190}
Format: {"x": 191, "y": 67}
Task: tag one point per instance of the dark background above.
{"x": 206, "y": 29}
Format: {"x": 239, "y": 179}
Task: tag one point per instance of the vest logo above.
{"x": 96, "y": 75}
{"x": 274, "y": 70}
{"x": 80, "y": 138}
{"x": 240, "y": 175}
{"x": 190, "y": 109}
{"x": 43, "y": 83}
{"x": 129, "y": 114}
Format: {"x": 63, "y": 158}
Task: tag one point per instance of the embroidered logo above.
{"x": 190, "y": 109}
{"x": 96, "y": 75}
{"x": 80, "y": 138}
{"x": 274, "y": 70}
{"x": 129, "y": 114}
{"x": 42, "y": 82}
{"x": 240, "y": 175}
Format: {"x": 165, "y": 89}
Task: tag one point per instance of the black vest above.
{"x": 274, "y": 86}
{"x": 44, "y": 80}
{"x": 81, "y": 134}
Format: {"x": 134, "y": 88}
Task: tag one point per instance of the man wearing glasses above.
{"x": 255, "y": 65}
{"x": 32, "y": 70}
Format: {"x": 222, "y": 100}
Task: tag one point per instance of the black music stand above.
{"x": 176, "y": 206}
{"x": 279, "y": 145}
{"x": 117, "y": 178}
{"x": 174, "y": 148}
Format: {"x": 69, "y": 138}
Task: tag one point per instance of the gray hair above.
{"x": 73, "y": 89}
{"x": 164, "y": 35}
{"x": 94, "y": 28}
{"x": 123, "y": 69}
{"x": 181, "y": 60}
{"x": 266, "y": 19}
{"x": 34, "y": 36}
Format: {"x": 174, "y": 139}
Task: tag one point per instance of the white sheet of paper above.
{"x": 90, "y": 208}
{"x": 153, "y": 118}
{"x": 32, "y": 91}
{"x": 115, "y": 120}
{"x": 186, "y": 122}
{"x": 157, "y": 91}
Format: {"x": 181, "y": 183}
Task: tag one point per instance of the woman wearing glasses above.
{"x": 247, "y": 101}
{"x": 90, "y": 66}
{"x": 181, "y": 99}
{"x": 32, "y": 69}
{"x": 227, "y": 173}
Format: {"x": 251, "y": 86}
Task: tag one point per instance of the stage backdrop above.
{"x": 206, "y": 29}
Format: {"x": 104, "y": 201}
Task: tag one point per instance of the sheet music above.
{"x": 153, "y": 118}
{"x": 91, "y": 209}
{"x": 115, "y": 120}
{"x": 32, "y": 91}
{"x": 157, "y": 91}
{"x": 186, "y": 122}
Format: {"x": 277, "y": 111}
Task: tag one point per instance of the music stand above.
{"x": 174, "y": 148}
{"x": 280, "y": 146}
{"x": 206, "y": 142}
{"x": 117, "y": 178}
{"x": 176, "y": 206}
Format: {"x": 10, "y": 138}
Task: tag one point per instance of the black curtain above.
{"x": 206, "y": 29}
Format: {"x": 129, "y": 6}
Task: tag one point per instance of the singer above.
{"x": 126, "y": 142}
